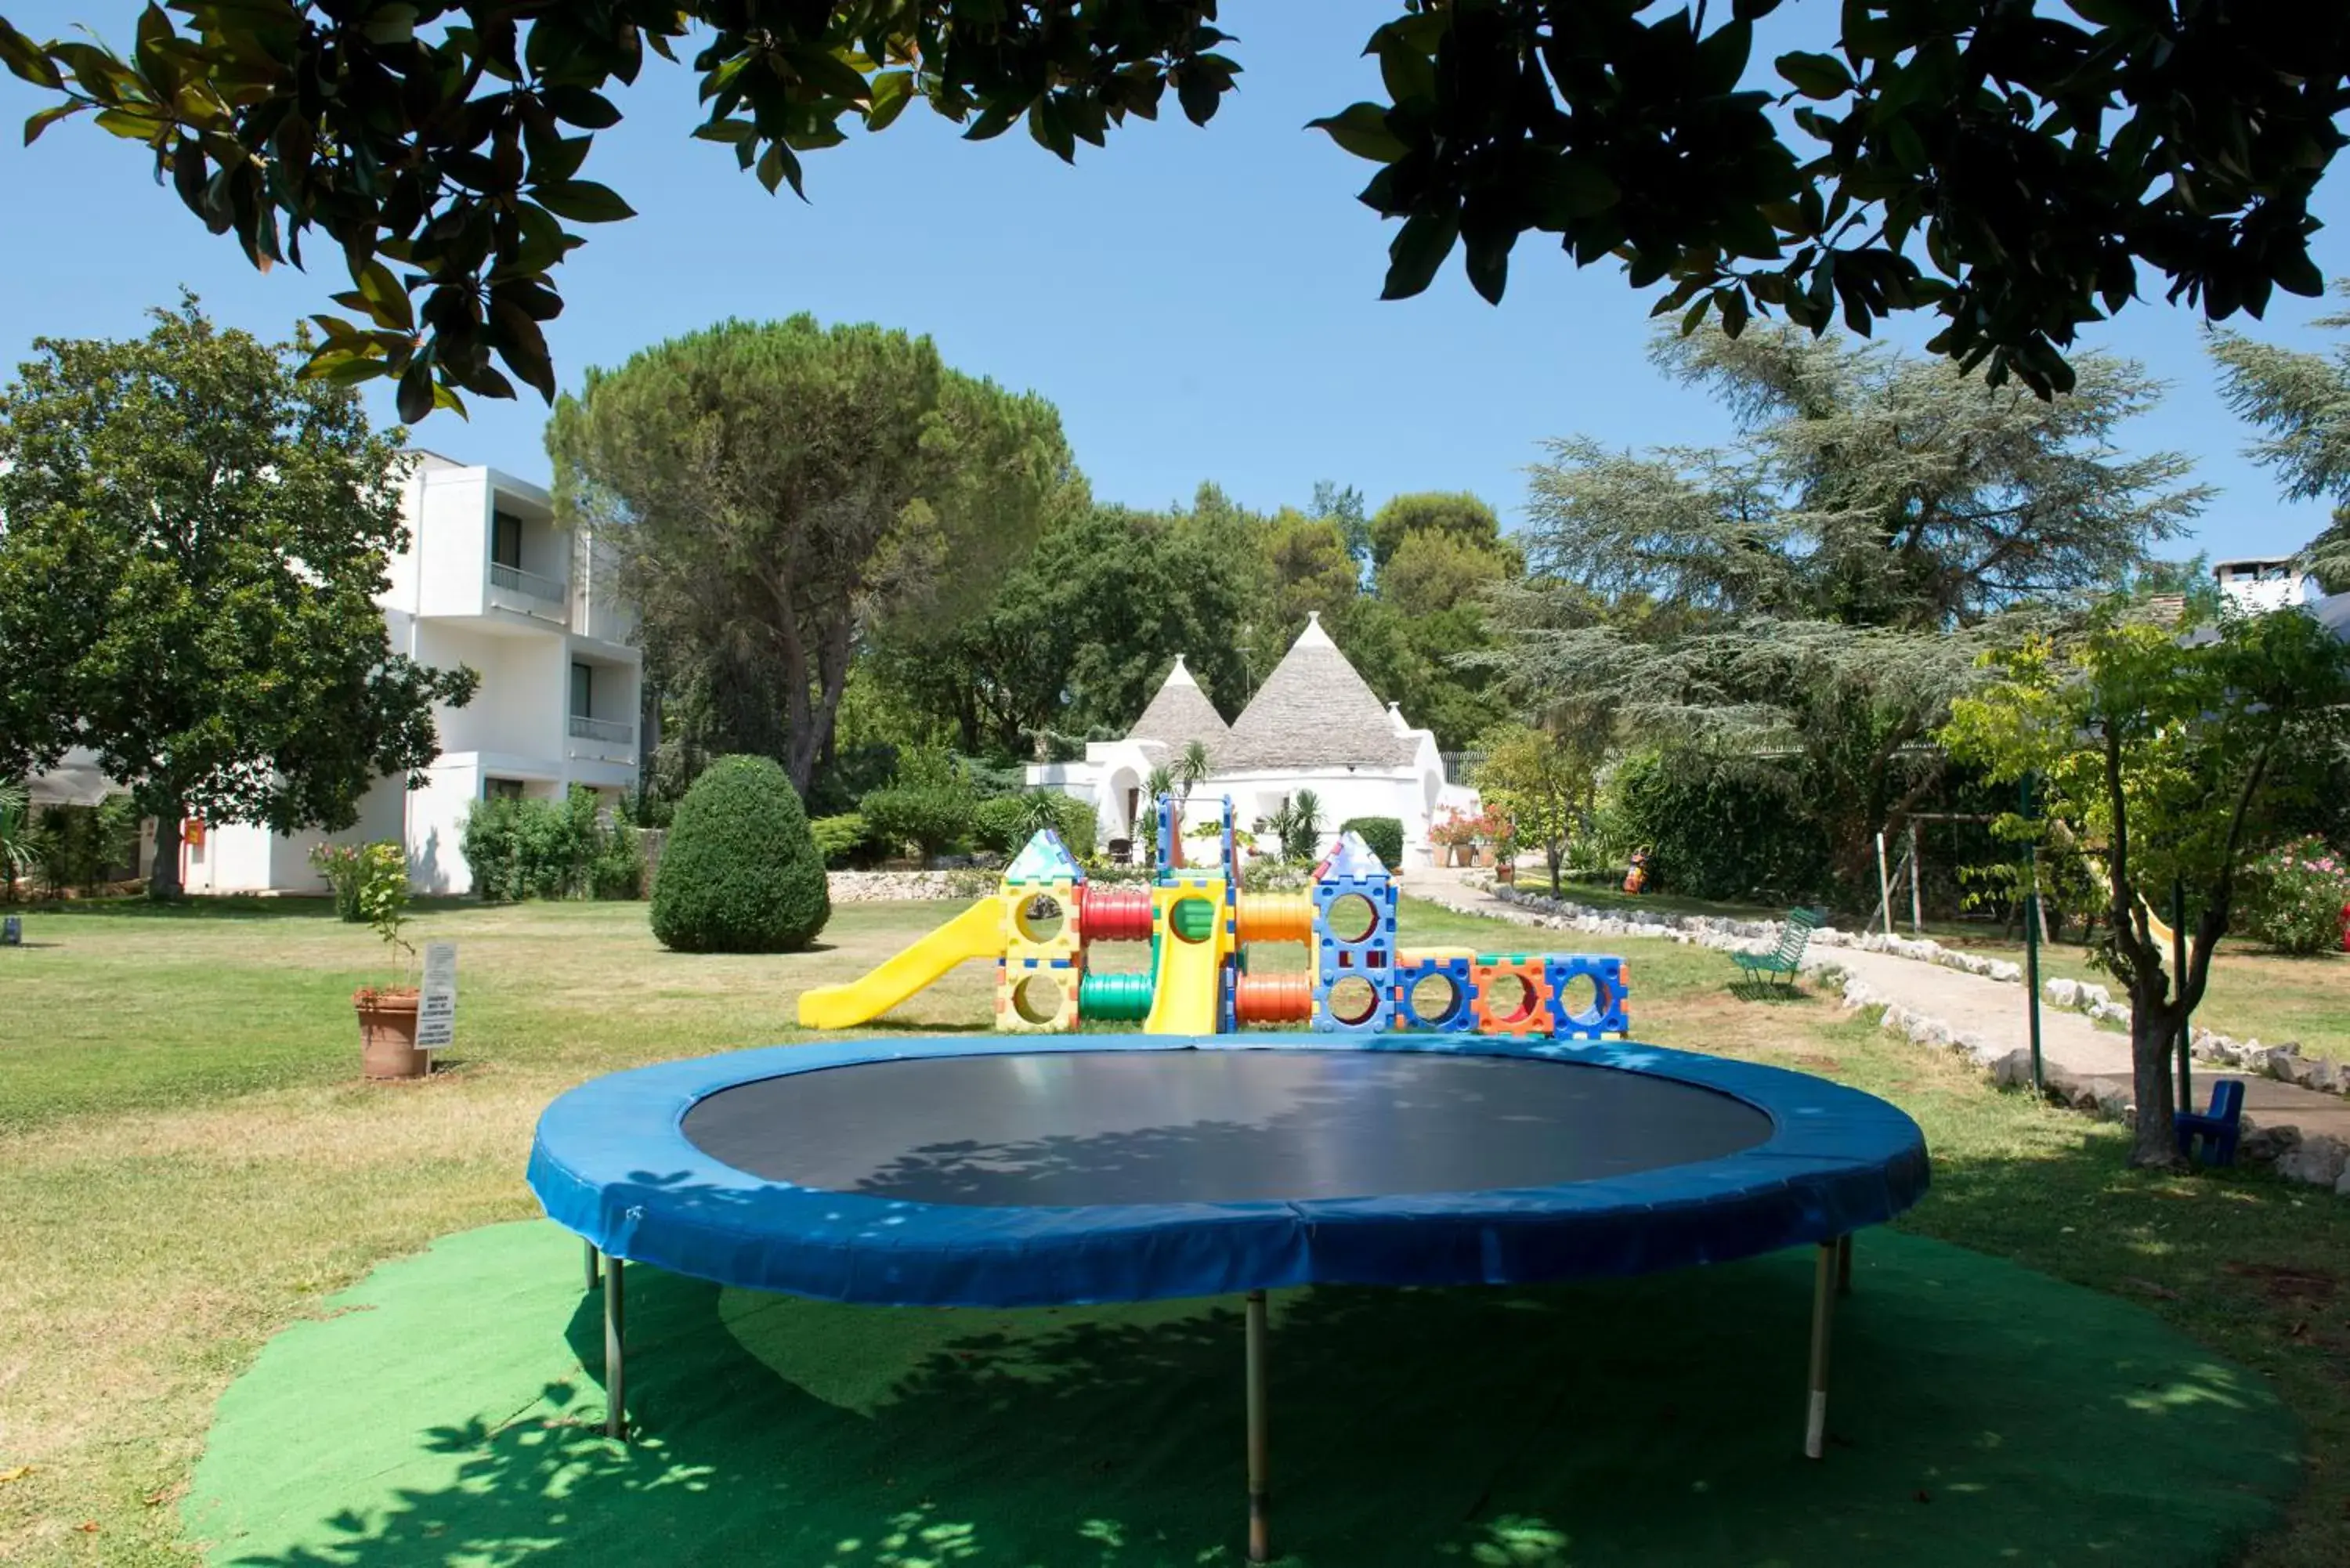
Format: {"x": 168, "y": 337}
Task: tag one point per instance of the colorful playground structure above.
{"x": 1045, "y": 919}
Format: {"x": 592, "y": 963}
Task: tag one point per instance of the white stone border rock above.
{"x": 875, "y": 887}
{"x": 1720, "y": 931}
{"x": 2283, "y": 1062}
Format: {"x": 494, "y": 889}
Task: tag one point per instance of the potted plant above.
{"x": 1454, "y": 835}
{"x": 388, "y": 1013}
{"x": 1491, "y": 829}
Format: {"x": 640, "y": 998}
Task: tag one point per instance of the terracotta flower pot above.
{"x": 387, "y": 1033}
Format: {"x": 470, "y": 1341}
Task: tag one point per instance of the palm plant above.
{"x": 1159, "y": 783}
{"x": 22, "y": 839}
{"x": 1305, "y": 830}
{"x": 1191, "y": 771}
{"x": 1282, "y": 827}
{"x": 1039, "y": 809}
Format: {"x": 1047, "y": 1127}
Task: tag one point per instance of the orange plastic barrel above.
{"x": 1273, "y": 999}
{"x": 1275, "y": 918}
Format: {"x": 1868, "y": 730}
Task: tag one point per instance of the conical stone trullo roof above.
{"x": 1180, "y": 714}
{"x": 1314, "y": 712}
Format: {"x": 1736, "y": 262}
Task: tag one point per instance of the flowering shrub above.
{"x": 2298, "y": 892}
{"x": 1486, "y": 826}
{"x": 340, "y": 864}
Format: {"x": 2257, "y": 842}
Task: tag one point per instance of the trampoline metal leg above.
{"x": 616, "y": 1401}
{"x": 1844, "y": 1265}
{"x": 1260, "y": 1536}
{"x": 1815, "y": 1414}
{"x": 593, "y": 1271}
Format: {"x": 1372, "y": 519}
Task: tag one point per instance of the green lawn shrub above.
{"x": 1711, "y": 834}
{"x": 741, "y": 872}
{"x": 543, "y": 849}
{"x": 931, "y": 803}
{"x": 843, "y": 839}
{"x": 930, "y": 821}
{"x": 83, "y": 847}
{"x": 1001, "y": 825}
{"x": 1078, "y": 823}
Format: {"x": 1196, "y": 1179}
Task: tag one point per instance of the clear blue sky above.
{"x": 1200, "y": 304}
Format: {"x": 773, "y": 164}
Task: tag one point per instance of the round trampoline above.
{"x": 1008, "y": 1172}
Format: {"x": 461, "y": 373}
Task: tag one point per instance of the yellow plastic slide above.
{"x": 976, "y": 933}
{"x": 1184, "y": 1000}
{"x": 2156, "y": 927}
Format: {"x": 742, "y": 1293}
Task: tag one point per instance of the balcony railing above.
{"x": 610, "y": 732}
{"x": 516, "y": 580}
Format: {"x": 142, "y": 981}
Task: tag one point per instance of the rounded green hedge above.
{"x": 741, "y": 872}
{"x": 1383, "y": 835}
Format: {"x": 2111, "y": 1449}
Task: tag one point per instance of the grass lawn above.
{"x": 188, "y": 1164}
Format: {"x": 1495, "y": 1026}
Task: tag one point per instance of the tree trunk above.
{"x": 2152, "y": 1031}
{"x": 163, "y": 876}
{"x": 1553, "y": 854}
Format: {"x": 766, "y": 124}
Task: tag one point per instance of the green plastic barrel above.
{"x": 1123, "y": 998}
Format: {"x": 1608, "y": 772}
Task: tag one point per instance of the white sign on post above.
{"x": 436, "y": 1004}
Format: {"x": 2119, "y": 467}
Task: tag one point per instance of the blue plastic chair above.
{"x": 2219, "y": 1127}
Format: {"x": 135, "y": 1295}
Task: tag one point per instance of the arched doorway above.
{"x": 1122, "y": 795}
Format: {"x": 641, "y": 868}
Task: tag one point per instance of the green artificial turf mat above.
{"x": 448, "y": 1411}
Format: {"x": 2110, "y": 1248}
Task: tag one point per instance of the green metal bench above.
{"x": 1785, "y": 959}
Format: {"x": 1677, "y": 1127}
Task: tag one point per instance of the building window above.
{"x": 583, "y": 690}
{"x": 501, "y": 789}
{"x": 505, "y": 540}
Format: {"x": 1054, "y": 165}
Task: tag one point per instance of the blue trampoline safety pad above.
{"x": 1022, "y": 1171}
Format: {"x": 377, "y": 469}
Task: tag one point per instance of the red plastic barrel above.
{"x": 1111, "y": 914}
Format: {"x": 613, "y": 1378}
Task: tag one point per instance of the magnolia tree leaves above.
{"x": 195, "y": 540}
{"x": 440, "y": 149}
{"x": 2011, "y": 164}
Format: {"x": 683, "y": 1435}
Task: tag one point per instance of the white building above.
{"x": 2265, "y": 583}
{"x": 489, "y": 581}
{"x": 1314, "y": 724}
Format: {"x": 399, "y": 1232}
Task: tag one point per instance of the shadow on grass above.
{"x": 1983, "y": 1414}
{"x": 687, "y": 955}
{"x": 227, "y": 907}
{"x": 2233, "y": 1257}
{"x": 1767, "y": 992}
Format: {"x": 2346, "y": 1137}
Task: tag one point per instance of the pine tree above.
{"x": 2303, "y": 401}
